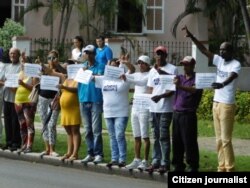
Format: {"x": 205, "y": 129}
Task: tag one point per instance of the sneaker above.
{"x": 54, "y": 154}
{"x": 152, "y": 167}
{"x": 143, "y": 166}
{"x": 135, "y": 163}
{"x": 27, "y": 150}
{"x": 98, "y": 159}
{"x": 87, "y": 159}
{"x": 44, "y": 153}
{"x": 122, "y": 164}
{"x": 111, "y": 163}
{"x": 163, "y": 169}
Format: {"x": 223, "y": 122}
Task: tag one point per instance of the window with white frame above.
{"x": 138, "y": 19}
{"x": 154, "y": 16}
{"x": 129, "y": 17}
{"x": 18, "y": 7}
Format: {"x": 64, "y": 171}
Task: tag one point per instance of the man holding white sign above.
{"x": 162, "y": 110}
{"x": 11, "y": 124}
{"x": 91, "y": 102}
{"x": 187, "y": 99}
{"x": 224, "y": 107}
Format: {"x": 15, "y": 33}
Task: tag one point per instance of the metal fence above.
{"x": 135, "y": 48}
{"x": 176, "y": 50}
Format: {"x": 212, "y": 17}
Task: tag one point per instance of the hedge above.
{"x": 242, "y": 103}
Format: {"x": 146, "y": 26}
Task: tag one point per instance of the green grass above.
{"x": 206, "y": 129}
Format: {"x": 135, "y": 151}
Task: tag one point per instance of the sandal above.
{"x": 72, "y": 158}
{"x": 65, "y": 156}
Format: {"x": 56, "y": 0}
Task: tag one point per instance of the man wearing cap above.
{"x": 140, "y": 117}
{"x": 161, "y": 109}
{"x": 91, "y": 102}
{"x": 186, "y": 102}
{"x": 224, "y": 106}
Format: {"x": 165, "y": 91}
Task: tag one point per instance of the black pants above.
{"x": 185, "y": 141}
{"x": 11, "y": 125}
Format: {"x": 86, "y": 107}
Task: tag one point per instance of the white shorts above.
{"x": 140, "y": 123}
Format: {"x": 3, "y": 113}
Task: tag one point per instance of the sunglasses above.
{"x": 51, "y": 58}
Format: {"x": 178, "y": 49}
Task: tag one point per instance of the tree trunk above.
{"x": 246, "y": 19}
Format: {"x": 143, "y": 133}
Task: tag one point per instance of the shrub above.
{"x": 242, "y": 110}
{"x": 9, "y": 30}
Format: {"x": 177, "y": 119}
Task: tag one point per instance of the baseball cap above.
{"x": 188, "y": 60}
{"x": 161, "y": 48}
{"x": 144, "y": 59}
{"x": 89, "y": 48}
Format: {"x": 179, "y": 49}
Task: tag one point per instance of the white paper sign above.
{"x": 204, "y": 80}
{"x": 32, "y": 70}
{"x": 83, "y": 76}
{"x": 49, "y": 82}
{"x": 112, "y": 72}
{"x": 73, "y": 69}
{"x": 142, "y": 101}
{"x": 167, "y": 82}
{"x": 11, "y": 80}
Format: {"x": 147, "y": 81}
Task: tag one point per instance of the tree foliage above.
{"x": 8, "y": 31}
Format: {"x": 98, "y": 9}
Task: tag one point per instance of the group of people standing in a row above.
{"x": 110, "y": 98}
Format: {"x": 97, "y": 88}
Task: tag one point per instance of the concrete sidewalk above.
{"x": 100, "y": 168}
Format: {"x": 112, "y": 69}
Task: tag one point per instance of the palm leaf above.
{"x": 180, "y": 17}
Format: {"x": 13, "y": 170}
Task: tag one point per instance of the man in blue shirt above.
{"x": 91, "y": 102}
{"x": 103, "y": 52}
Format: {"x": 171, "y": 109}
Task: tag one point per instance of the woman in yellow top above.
{"x": 70, "y": 118}
{"x": 25, "y": 110}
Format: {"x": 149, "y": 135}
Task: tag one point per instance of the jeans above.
{"x": 92, "y": 118}
{"x": 161, "y": 134}
{"x": 116, "y": 128}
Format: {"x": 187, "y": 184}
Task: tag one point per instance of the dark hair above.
{"x": 116, "y": 60}
{"x": 80, "y": 39}
{"x": 100, "y": 37}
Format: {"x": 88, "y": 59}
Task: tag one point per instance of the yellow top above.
{"x": 22, "y": 93}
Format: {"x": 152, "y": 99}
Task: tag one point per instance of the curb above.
{"x": 100, "y": 168}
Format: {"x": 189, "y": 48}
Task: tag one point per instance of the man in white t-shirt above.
{"x": 224, "y": 100}
{"x": 161, "y": 110}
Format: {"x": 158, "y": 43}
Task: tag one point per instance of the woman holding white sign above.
{"x": 48, "y": 115}
{"x": 25, "y": 109}
{"x": 116, "y": 113}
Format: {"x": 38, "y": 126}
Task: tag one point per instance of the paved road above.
{"x": 15, "y": 173}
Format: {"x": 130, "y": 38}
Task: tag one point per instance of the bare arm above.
{"x": 199, "y": 45}
{"x": 185, "y": 88}
{"x": 217, "y": 85}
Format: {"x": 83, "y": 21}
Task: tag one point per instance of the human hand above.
{"x": 188, "y": 33}
{"x": 123, "y": 77}
{"x": 217, "y": 85}
{"x": 20, "y": 82}
{"x": 176, "y": 81}
{"x": 156, "y": 98}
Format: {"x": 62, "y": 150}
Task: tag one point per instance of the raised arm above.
{"x": 199, "y": 45}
